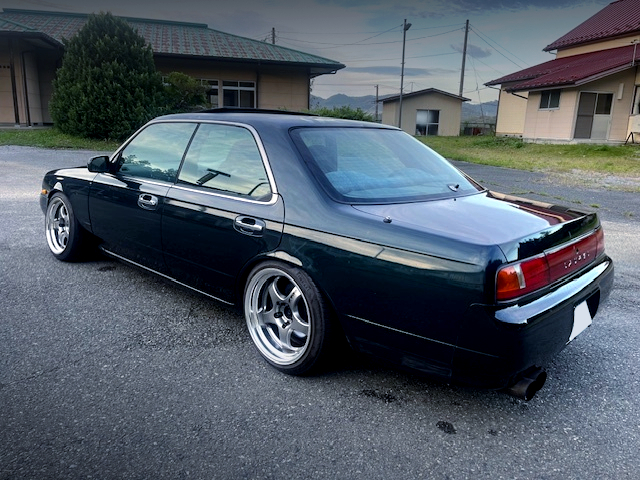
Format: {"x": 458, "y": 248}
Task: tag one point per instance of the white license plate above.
{"x": 581, "y": 320}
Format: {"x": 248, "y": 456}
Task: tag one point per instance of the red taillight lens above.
{"x": 522, "y": 278}
{"x": 600, "y": 240}
{"x": 518, "y": 279}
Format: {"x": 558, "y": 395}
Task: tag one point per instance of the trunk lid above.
{"x": 520, "y": 227}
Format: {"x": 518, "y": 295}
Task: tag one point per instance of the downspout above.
{"x": 26, "y": 91}
{"x": 258, "y": 86}
{"x": 14, "y": 88}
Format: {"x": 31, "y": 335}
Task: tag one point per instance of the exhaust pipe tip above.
{"x": 530, "y": 382}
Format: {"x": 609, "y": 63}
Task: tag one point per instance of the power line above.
{"x": 481, "y": 35}
{"x": 395, "y": 58}
{"x": 366, "y": 32}
{"x": 489, "y": 66}
{"x": 360, "y": 44}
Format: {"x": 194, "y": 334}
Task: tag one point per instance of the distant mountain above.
{"x": 475, "y": 112}
{"x": 471, "y": 112}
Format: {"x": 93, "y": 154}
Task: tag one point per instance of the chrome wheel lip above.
{"x": 58, "y": 227}
{"x": 279, "y": 321}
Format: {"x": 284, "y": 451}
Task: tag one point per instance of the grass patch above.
{"x": 52, "y": 138}
{"x": 514, "y": 153}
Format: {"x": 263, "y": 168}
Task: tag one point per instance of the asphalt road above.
{"x": 107, "y": 372}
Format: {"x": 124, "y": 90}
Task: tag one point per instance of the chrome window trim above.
{"x": 219, "y": 193}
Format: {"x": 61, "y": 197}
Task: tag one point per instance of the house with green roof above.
{"x": 237, "y": 71}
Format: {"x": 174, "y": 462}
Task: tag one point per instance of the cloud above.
{"x": 473, "y": 50}
{"x": 443, "y": 7}
{"x": 438, "y": 9}
{"x": 395, "y": 71}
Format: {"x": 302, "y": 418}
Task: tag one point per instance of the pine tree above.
{"x": 107, "y": 86}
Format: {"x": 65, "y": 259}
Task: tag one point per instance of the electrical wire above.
{"x": 360, "y": 44}
{"x": 395, "y": 58}
{"x": 481, "y": 35}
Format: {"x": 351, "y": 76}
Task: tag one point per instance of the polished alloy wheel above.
{"x": 278, "y": 316}
{"x": 58, "y": 225}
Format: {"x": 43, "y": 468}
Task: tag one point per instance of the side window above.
{"x": 226, "y": 158}
{"x": 549, "y": 99}
{"x": 156, "y": 152}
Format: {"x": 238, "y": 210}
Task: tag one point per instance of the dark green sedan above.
{"x": 323, "y": 229}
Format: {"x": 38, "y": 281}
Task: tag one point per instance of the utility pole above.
{"x": 405, "y": 27}
{"x": 464, "y": 57}
{"x": 273, "y": 35}
{"x": 376, "y": 102}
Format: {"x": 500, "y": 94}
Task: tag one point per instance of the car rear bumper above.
{"x": 496, "y": 345}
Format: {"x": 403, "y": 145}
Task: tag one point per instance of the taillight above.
{"x": 518, "y": 279}
{"x": 521, "y": 278}
{"x": 600, "y": 242}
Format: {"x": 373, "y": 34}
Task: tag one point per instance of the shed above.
{"x": 425, "y": 112}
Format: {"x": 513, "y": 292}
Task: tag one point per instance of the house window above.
{"x": 239, "y": 94}
{"x": 549, "y": 99}
{"x": 427, "y": 122}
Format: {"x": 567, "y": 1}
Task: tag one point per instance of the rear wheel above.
{"x": 287, "y": 318}
{"x": 64, "y": 233}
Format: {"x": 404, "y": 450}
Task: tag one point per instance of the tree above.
{"x": 107, "y": 86}
{"x": 183, "y": 93}
{"x": 344, "y": 112}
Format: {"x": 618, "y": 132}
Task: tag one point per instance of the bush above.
{"x": 183, "y": 93}
{"x": 107, "y": 86}
{"x": 344, "y": 112}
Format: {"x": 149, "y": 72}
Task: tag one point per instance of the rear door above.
{"x": 126, "y": 206}
{"x": 223, "y": 211}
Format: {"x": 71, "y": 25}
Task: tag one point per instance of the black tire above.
{"x": 288, "y": 319}
{"x": 65, "y": 236}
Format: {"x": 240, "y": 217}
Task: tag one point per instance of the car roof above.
{"x": 273, "y": 118}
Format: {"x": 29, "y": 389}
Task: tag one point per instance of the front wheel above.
{"x": 64, "y": 233}
{"x": 287, "y": 318}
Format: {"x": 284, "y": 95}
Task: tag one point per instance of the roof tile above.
{"x": 569, "y": 71}
{"x": 618, "y": 18}
{"x": 167, "y": 38}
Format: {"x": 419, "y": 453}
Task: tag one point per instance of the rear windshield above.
{"x": 372, "y": 165}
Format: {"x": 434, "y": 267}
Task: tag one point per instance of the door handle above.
{"x": 249, "y": 225}
{"x": 147, "y": 201}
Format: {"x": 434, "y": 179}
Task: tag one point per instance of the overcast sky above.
{"x": 366, "y": 35}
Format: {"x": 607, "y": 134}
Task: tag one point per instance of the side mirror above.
{"x": 99, "y": 164}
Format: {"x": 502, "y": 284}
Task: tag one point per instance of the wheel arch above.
{"x": 287, "y": 259}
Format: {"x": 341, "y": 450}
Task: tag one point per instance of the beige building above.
{"x": 588, "y": 93}
{"x": 425, "y": 112}
{"x": 238, "y": 71}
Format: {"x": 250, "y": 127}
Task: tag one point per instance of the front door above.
{"x": 594, "y": 116}
{"x": 126, "y": 206}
